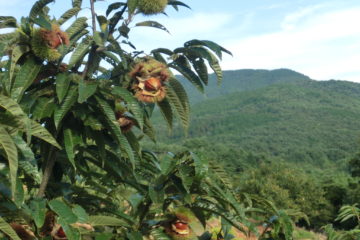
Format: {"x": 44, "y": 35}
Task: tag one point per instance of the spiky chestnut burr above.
{"x": 151, "y": 7}
{"x": 44, "y": 42}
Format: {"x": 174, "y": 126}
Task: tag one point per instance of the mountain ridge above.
{"x": 281, "y": 113}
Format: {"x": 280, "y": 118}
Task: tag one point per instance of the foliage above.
{"x": 74, "y": 106}
{"x": 276, "y": 113}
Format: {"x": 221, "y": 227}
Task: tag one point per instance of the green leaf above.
{"x": 7, "y": 143}
{"x": 151, "y": 24}
{"x": 42, "y": 22}
{"x": 213, "y": 61}
{"x": 132, "y": 5}
{"x": 7, "y": 22}
{"x": 44, "y": 108}
{"x": 201, "y": 69}
{"x": 19, "y": 195}
{"x": 115, "y": 129}
{"x": 68, "y": 14}
{"x": 80, "y": 212}
{"x": 69, "y": 101}
{"x": 156, "y": 195}
{"x": 176, "y": 102}
{"x": 217, "y": 49}
{"x": 7, "y": 229}
{"x": 38, "y": 7}
{"x": 181, "y": 65}
{"x": 13, "y": 107}
{"x": 38, "y": 211}
{"x": 107, "y": 221}
{"x": 27, "y": 160}
{"x": 63, "y": 211}
{"x": 70, "y": 141}
{"x": 76, "y": 3}
{"x": 16, "y": 54}
{"x": 186, "y": 175}
{"x": 39, "y": 131}
{"x": 175, "y": 3}
{"x": 166, "y": 111}
{"x": 114, "y": 6}
{"x": 70, "y": 232}
{"x": 24, "y": 78}
{"x": 78, "y": 55}
{"x": 86, "y": 90}
{"x": 132, "y": 104}
{"x": 181, "y": 94}
{"x": 159, "y": 234}
{"x": 77, "y": 27}
{"x": 62, "y": 85}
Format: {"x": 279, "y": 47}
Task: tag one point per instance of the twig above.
{"x": 49, "y": 165}
{"x": 93, "y": 15}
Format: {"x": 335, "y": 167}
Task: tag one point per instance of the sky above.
{"x": 319, "y": 38}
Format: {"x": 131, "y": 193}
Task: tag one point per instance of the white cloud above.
{"x": 291, "y": 20}
{"x": 324, "y": 46}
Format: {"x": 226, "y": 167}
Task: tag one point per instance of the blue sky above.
{"x": 319, "y": 38}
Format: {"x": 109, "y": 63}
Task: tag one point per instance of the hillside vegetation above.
{"x": 279, "y": 113}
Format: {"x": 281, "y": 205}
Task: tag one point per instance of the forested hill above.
{"x": 277, "y": 113}
{"x": 242, "y": 80}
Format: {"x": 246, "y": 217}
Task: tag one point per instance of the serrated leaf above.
{"x": 24, "y": 78}
{"x": 8, "y": 230}
{"x": 39, "y": 131}
{"x": 27, "y": 160}
{"x": 115, "y": 129}
{"x": 201, "y": 69}
{"x": 149, "y": 130}
{"x": 16, "y": 54}
{"x": 76, "y": 3}
{"x": 63, "y": 211}
{"x": 156, "y": 195}
{"x": 181, "y": 93}
{"x": 212, "y": 60}
{"x": 69, "y": 101}
{"x": 62, "y": 85}
{"x": 8, "y": 22}
{"x": 114, "y": 6}
{"x": 86, "y": 90}
{"x": 70, "y": 141}
{"x": 182, "y": 112}
{"x": 42, "y": 22}
{"x": 80, "y": 52}
{"x": 186, "y": 175}
{"x": 163, "y": 50}
{"x": 44, "y": 108}
{"x": 77, "y": 27}
{"x": 13, "y": 107}
{"x": 68, "y": 14}
{"x": 38, "y": 211}
{"x": 7, "y": 143}
{"x": 132, "y": 104}
{"x": 181, "y": 66}
{"x": 38, "y": 7}
{"x": 70, "y": 232}
{"x": 107, "y": 221}
{"x": 166, "y": 111}
{"x": 175, "y": 3}
{"x": 159, "y": 234}
{"x": 81, "y": 214}
{"x": 151, "y": 24}
{"x": 217, "y": 49}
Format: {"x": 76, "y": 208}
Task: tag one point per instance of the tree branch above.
{"x": 49, "y": 165}
{"x": 93, "y": 15}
